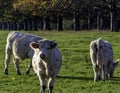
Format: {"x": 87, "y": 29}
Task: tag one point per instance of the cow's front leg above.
{"x": 42, "y": 83}
{"x": 105, "y": 72}
{"x": 51, "y": 84}
{"x": 16, "y": 63}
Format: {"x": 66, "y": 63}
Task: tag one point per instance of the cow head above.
{"x": 112, "y": 68}
{"x": 44, "y": 47}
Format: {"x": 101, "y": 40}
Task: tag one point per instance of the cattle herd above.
{"x": 46, "y": 59}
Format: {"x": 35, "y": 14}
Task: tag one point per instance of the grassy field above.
{"x": 76, "y": 75}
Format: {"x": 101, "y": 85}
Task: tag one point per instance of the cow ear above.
{"x": 34, "y": 45}
{"x": 53, "y": 44}
{"x": 116, "y": 62}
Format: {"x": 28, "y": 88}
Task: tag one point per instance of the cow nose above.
{"x": 42, "y": 56}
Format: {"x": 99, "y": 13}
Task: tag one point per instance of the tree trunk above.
{"x": 60, "y": 22}
{"x": 8, "y": 25}
{"x": 113, "y": 22}
{"x": 19, "y": 26}
{"x": 99, "y": 21}
{"x": 106, "y": 23}
{"x": 76, "y": 21}
{"x": 41, "y": 23}
{"x": 4, "y": 26}
{"x": 34, "y": 23}
{"x": 0, "y": 26}
{"x": 14, "y": 25}
{"x": 113, "y": 16}
{"x": 47, "y": 23}
{"x": 11, "y": 25}
{"x": 119, "y": 24}
{"x": 89, "y": 20}
{"x": 29, "y": 22}
{"x": 25, "y": 25}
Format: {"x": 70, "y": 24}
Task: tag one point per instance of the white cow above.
{"x": 18, "y": 45}
{"x": 46, "y": 62}
{"x": 101, "y": 54}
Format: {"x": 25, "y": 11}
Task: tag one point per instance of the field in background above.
{"x": 76, "y": 75}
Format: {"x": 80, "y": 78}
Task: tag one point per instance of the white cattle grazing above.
{"x": 18, "y": 45}
{"x": 101, "y": 54}
{"x": 46, "y": 62}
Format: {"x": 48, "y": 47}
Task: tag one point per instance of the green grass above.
{"x": 76, "y": 75}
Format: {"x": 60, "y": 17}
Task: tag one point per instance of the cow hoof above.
{"x": 105, "y": 80}
{"x": 35, "y": 73}
{"x": 6, "y": 72}
{"x": 99, "y": 78}
{"x": 95, "y": 80}
{"x": 18, "y": 73}
{"x": 27, "y": 72}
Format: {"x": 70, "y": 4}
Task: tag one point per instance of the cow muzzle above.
{"x": 42, "y": 56}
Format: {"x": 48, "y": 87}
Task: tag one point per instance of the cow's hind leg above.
{"x": 16, "y": 63}
{"x": 97, "y": 73}
{"x": 29, "y": 67}
{"x": 7, "y": 59}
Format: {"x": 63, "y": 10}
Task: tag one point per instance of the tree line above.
{"x": 51, "y": 14}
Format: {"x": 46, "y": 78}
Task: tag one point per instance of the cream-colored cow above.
{"x": 101, "y": 54}
{"x": 18, "y": 45}
{"x": 46, "y": 62}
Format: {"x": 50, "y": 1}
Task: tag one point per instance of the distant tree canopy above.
{"x": 33, "y": 7}
{"x": 51, "y": 14}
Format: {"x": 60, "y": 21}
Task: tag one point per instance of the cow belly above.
{"x": 20, "y": 53}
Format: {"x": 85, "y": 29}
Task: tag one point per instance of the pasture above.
{"x": 76, "y": 75}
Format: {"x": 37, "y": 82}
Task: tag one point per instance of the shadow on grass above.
{"x": 115, "y": 79}
{"x": 76, "y": 78}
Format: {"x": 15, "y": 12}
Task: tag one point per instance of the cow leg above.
{"x": 7, "y": 59}
{"x": 100, "y": 73}
{"x": 105, "y": 72}
{"x": 42, "y": 83}
{"x": 29, "y": 67}
{"x": 51, "y": 84}
{"x": 16, "y": 63}
{"x": 97, "y": 73}
{"x": 43, "y": 89}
